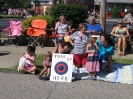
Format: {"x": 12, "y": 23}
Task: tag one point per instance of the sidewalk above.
{"x": 9, "y": 54}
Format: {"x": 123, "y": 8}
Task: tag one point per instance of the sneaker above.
{"x": 33, "y": 72}
{"x": 40, "y": 77}
{"x": 46, "y": 78}
{"x": 77, "y": 70}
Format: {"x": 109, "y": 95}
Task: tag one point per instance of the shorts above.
{"x": 80, "y": 59}
{"x": 29, "y": 67}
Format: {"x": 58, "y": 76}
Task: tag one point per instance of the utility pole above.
{"x": 103, "y": 15}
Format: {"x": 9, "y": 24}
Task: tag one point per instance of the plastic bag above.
{"x": 22, "y": 62}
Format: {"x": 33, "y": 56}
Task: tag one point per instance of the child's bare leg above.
{"x": 24, "y": 70}
{"x": 90, "y": 74}
{"x": 43, "y": 71}
{"x": 48, "y": 71}
{"x": 94, "y": 75}
{"x": 33, "y": 69}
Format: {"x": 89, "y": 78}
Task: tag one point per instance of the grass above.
{"x": 123, "y": 61}
{"x": 9, "y": 16}
{"x": 40, "y": 58}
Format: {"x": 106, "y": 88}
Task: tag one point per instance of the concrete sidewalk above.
{"x": 9, "y": 55}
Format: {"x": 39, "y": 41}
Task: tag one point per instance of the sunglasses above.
{"x": 119, "y": 23}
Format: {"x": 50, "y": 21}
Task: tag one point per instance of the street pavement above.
{"x": 14, "y": 85}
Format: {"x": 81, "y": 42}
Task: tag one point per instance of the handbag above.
{"x": 22, "y": 62}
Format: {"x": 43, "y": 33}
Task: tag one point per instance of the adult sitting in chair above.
{"x": 93, "y": 27}
{"x": 121, "y": 32}
{"x": 62, "y": 47}
{"x": 62, "y": 27}
{"x": 128, "y": 20}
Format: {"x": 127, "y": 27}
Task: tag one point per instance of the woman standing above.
{"x": 79, "y": 41}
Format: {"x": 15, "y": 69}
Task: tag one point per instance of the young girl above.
{"x": 92, "y": 64}
{"x": 47, "y": 66}
{"x": 30, "y": 61}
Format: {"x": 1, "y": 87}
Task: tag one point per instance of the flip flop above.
{"x": 119, "y": 55}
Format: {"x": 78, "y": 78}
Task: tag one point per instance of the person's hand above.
{"x": 95, "y": 44}
{"x": 27, "y": 58}
{"x": 61, "y": 35}
{"x": 94, "y": 32}
{"x": 89, "y": 31}
{"x": 94, "y": 51}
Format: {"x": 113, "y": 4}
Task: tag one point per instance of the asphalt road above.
{"x": 4, "y": 23}
{"x": 24, "y": 86}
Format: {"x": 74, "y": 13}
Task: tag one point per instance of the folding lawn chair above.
{"x": 37, "y": 32}
{"x": 13, "y": 32}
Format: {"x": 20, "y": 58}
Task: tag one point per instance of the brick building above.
{"x": 49, "y": 3}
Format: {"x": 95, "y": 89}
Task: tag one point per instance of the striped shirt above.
{"x": 80, "y": 43}
{"x": 62, "y": 28}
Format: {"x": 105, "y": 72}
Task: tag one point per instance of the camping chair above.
{"x": 37, "y": 32}
{"x": 13, "y": 32}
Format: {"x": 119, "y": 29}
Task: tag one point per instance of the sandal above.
{"x": 123, "y": 54}
{"x": 119, "y": 55}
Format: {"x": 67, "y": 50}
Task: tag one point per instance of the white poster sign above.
{"x": 61, "y": 69}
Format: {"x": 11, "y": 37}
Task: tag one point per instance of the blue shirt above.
{"x": 105, "y": 51}
{"x": 97, "y": 27}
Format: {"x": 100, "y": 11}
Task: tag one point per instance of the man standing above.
{"x": 45, "y": 10}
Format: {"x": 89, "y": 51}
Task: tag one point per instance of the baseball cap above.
{"x": 61, "y": 39}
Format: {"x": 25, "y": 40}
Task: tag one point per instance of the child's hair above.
{"x": 34, "y": 47}
{"x": 48, "y": 54}
{"x": 31, "y": 49}
{"x": 92, "y": 40}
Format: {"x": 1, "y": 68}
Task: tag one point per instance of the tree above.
{"x": 115, "y": 12}
{"x": 37, "y": 3}
{"x": 26, "y": 3}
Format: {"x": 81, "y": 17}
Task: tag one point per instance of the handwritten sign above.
{"x": 61, "y": 69}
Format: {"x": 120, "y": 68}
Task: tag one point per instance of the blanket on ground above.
{"x": 121, "y": 74}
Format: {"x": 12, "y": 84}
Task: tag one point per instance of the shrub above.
{"x": 75, "y": 13}
{"x": 32, "y": 12}
{"x": 115, "y": 12}
{"x": 27, "y": 22}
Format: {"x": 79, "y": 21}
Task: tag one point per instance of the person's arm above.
{"x": 99, "y": 31}
{"x": 56, "y": 26}
{"x": 125, "y": 19}
{"x": 113, "y": 31}
{"x": 32, "y": 59}
{"x": 87, "y": 49}
{"x": 111, "y": 53}
{"x": 109, "y": 62}
{"x": 97, "y": 47}
{"x": 55, "y": 49}
{"x": 127, "y": 32}
{"x": 71, "y": 41}
{"x": 66, "y": 49}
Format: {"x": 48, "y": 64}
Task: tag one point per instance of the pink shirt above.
{"x": 28, "y": 62}
{"x": 47, "y": 63}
